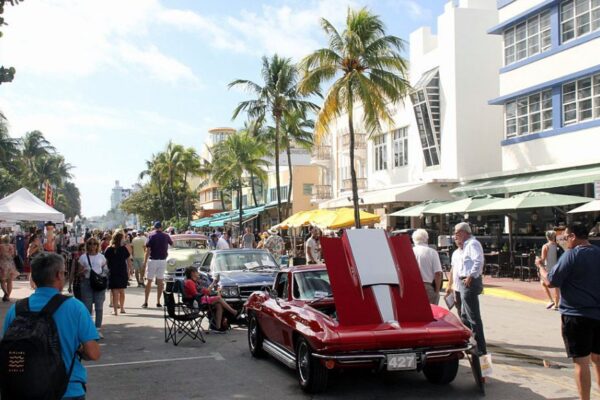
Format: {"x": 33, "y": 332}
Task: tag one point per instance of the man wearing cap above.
{"x": 155, "y": 261}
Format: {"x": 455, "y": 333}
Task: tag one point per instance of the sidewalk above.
{"x": 514, "y": 289}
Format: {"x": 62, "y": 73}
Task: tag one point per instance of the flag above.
{"x": 49, "y": 195}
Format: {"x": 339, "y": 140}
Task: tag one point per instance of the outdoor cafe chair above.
{"x": 527, "y": 265}
{"x": 501, "y": 267}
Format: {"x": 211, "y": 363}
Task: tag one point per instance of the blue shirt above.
{"x": 577, "y": 274}
{"x": 472, "y": 263}
{"x": 75, "y": 326}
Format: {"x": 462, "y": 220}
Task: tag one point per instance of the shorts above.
{"x": 156, "y": 269}
{"x": 581, "y": 335}
{"x": 210, "y": 299}
{"x": 138, "y": 264}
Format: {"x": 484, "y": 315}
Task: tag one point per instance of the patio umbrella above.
{"x": 531, "y": 200}
{"x": 342, "y": 218}
{"x": 297, "y": 220}
{"x": 592, "y": 206}
{"x": 463, "y": 205}
{"x": 419, "y": 209}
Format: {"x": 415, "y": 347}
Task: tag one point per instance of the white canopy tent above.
{"x": 22, "y": 205}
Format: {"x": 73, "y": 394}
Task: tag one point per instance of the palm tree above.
{"x": 370, "y": 72}
{"x": 9, "y": 147}
{"x": 155, "y": 172}
{"x": 172, "y": 157}
{"x": 277, "y": 95}
{"x": 256, "y": 129}
{"x": 236, "y": 156}
{"x": 34, "y": 145}
{"x": 191, "y": 165}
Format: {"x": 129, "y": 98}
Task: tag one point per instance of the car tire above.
{"x": 255, "y": 337}
{"x": 312, "y": 374}
{"x": 441, "y": 373}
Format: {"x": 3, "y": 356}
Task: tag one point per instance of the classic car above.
{"x": 366, "y": 307}
{"x": 242, "y": 271}
{"x": 187, "y": 249}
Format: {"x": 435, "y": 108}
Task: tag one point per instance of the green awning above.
{"x": 531, "y": 200}
{"x": 464, "y": 205}
{"x": 531, "y": 181}
{"x": 221, "y": 219}
{"x": 419, "y": 209}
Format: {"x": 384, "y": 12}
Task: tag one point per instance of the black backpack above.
{"x": 31, "y": 363}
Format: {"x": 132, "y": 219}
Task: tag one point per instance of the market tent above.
{"x": 531, "y": 200}
{"x": 22, "y": 205}
{"x": 419, "y": 209}
{"x": 299, "y": 219}
{"x": 463, "y": 205}
{"x": 592, "y": 206}
{"x": 342, "y": 218}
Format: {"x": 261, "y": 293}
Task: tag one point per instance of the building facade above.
{"x": 118, "y": 194}
{"x": 442, "y": 131}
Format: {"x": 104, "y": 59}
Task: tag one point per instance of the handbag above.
{"x": 97, "y": 281}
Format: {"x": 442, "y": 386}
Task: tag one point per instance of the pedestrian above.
{"x": 275, "y": 244}
{"x": 92, "y": 259}
{"x": 429, "y": 265}
{"x": 549, "y": 257}
{"x": 104, "y": 243}
{"x": 212, "y": 241}
{"x": 117, "y": 256}
{"x": 138, "y": 247}
{"x": 155, "y": 262}
{"x": 453, "y": 281}
{"x": 263, "y": 238}
{"x": 75, "y": 327}
{"x": 248, "y": 239}
{"x": 577, "y": 275}
{"x": 8, "y": 270}
{"x": 470, "y": 282}
{"x": 312, "y": 247}
{"x": 223, "y": 242}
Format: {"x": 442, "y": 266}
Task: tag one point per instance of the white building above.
{"x": 118, "y": 195}
{"x": 446, "y": 130}
{"x": 549, "y": 93}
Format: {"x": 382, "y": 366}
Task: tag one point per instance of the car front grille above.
{"x": 246, "y": 291}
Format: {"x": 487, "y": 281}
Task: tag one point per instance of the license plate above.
{"x": 396, "y": 362}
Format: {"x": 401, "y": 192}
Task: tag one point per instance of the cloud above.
{"x": 415, "y": 10}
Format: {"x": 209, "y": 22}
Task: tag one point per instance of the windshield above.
{"x": 189, "y": 244}
{"x": 311, "y": 285}
{"x": 236, "y": 261}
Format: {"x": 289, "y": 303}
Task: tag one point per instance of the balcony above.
{"x": 360, "y": 182}
{"x": 360, "y": 141}
{"x": 322, "y": 192}
{"x": 321, "y": 153}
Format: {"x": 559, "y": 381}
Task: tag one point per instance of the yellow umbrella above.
{"x": 299, "y": 219}
{"x": 341, "y": 218}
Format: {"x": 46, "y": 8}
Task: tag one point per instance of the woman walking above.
{"x": 8, "y": 271}
{"x": 116, "y": 257}
{"x": 549, "y": 257}
{"x": 91, "y": 259}
{"x": 35, "y": 248}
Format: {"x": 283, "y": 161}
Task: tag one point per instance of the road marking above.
{"x": 215, "y": 356}
{"x": 510, "y": 295}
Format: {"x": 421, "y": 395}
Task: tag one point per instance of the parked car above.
{"x": 242, "y": 271}
{"x": 187, "y": 249}
{"x": 314, "y": 323}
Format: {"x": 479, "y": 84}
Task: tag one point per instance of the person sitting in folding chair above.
{"x": 193, "y": 289}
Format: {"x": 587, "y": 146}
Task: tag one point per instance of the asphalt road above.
{"x": 136, "y": 363}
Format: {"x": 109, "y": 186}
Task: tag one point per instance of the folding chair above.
{"x": 181, "y": 320}
{"x": 204, "y": 310}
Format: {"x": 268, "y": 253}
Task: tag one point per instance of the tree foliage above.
{"x": 7, "y": 74}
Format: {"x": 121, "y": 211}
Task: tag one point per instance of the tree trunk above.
{"x": 253, "y": 190}
{"x": 175, "y": 208}
{"x": 277, "y": 181}
{"x": 289, "y": 196}
{"x": 240, "y": 208}
{"x": 160, "y": 197}
{"x": 352, "y": 170}
{"x": 222, "y": 200}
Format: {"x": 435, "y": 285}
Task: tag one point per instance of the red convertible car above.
{"x": 366, "y": 307}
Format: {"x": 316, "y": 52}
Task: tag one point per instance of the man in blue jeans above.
{"x": 470, "y": 282}
{"x": 577, "y": 274}
{"x": 76, "y": 329}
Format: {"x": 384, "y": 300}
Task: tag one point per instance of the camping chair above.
{"x": 203, "y": 309}
{"x": 181, "y": 320}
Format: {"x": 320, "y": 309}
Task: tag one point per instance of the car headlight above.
{"x": 230, "y": 291}
{"x": 171, "y": 262}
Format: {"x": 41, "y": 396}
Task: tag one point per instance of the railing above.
{"x": 360, "y": 141}
{"x": 360, "y": 182}
{"x": 322, "y": 192}
{"x": 322, "y": 152}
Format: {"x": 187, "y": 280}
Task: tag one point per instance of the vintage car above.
{"x": 242, "y": 271}
{"x": 366, "y": 307}
{"x": 187, "y": 249}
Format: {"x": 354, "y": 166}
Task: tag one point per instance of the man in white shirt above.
{"x": 222, "y": 243}
{"x": 471, "y": 285}
{"x": 454, "y": 283}
{"x": 313, "y": 250}
{"x": 429, "y": 265}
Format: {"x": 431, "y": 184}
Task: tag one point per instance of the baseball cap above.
{"x": 157, "y": 225}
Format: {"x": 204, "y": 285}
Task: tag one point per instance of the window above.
{"x": 581, "y": 100}
{"x": 528, "y": 114}
{"x": 527, "y": 38}
{"x": 307, "y": 189}
{"x": 283, "y": 192}
{"x": 244, "y": 200}
{"x": 578, "y": 17}
{"x": 282, "y": 285}
{"x": 216, "y": 194}
{"x": 426, "y": 105}
{"x": 380, "y": 147}
{"x": 400, "y": 147}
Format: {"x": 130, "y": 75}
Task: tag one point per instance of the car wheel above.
{"x": 255, "y": 337}
{"x": 441, "y": 373}
{"x": 312, "y": 375}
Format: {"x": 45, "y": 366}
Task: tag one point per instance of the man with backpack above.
{"x": 44, "y": 337}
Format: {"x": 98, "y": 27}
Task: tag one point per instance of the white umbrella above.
{"x": 592, "y": 206}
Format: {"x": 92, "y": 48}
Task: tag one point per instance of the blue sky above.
{"x": 110, "y": 82}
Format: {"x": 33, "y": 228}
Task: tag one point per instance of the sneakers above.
{"x": 100, "y": 335}
{"x": 158, "y": 305}
{"x": 145, "y": 305}
{"x": 549, "y": 305}
{"x": 217, "y": 331}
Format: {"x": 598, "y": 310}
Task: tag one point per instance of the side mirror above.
{"x": 204, "y": 268}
